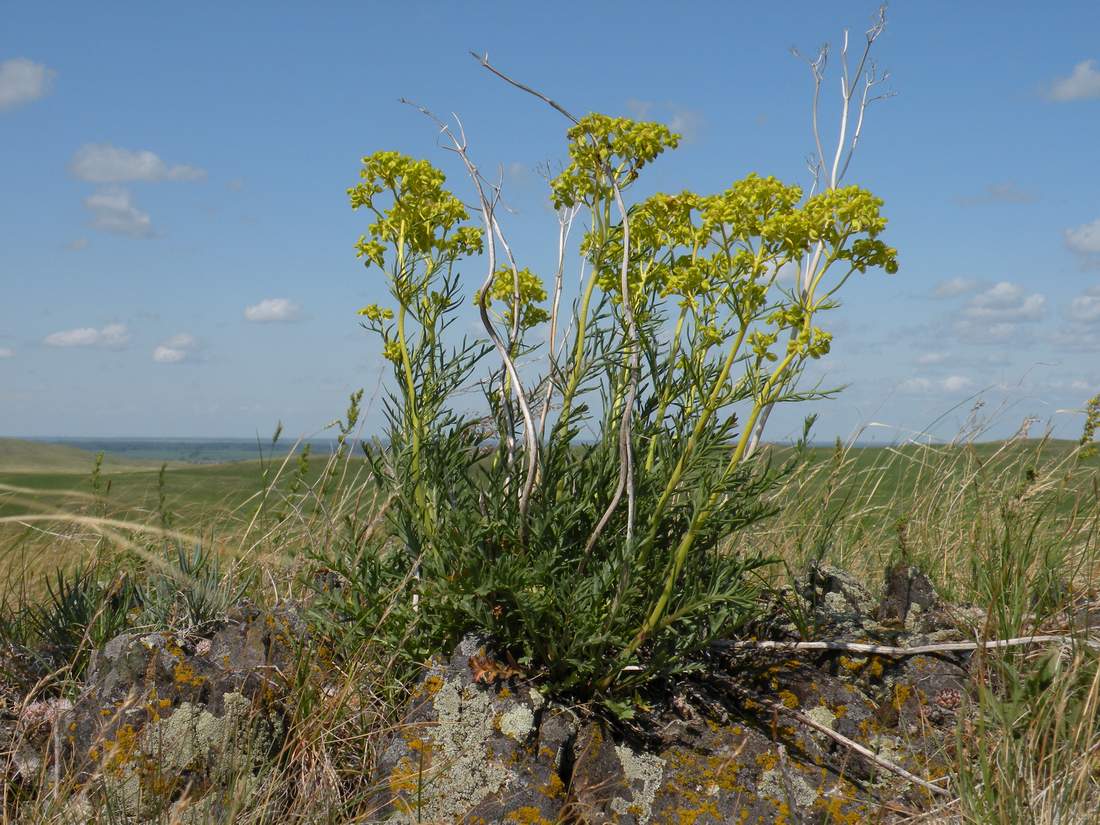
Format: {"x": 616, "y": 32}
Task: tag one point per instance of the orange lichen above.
{"x": 120, "y": 750}
{"x": 527, "y": 815}
{"x": 184, "y": 674}
{"x": 554, "y": 787}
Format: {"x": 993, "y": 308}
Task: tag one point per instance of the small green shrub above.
{"x": 82, "y": 610}
{"x": 190, "y": 590}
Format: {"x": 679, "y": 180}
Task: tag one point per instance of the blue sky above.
{"x": 176, "y": 246}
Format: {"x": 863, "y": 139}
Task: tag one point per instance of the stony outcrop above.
{"x": 164, "y": 718}
{"x": 498, "y": 752}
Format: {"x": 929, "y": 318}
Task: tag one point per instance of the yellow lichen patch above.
{"x": 689, "y": 816}
{"x": 788, "y": 699}
{"x": 554, "y": 787}
{"x": 767, "y": 760}
{"x": 833, "y": 806}
{"x": 433, "y": 684}
{"x": 420, "y": 746}
{"x": 527, "y": 815}
{"x": 405, "y": 777}
{"x": 184, "y": 674}
{"x": 120, "y": 750}
{"x": 901, "y": 695}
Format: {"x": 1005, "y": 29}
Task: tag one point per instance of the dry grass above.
{"x": 1010, "y": 527}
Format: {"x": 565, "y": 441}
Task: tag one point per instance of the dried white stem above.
{"x": 848, "y": 83}
{"x": 626, "y": 446}
{"x": 626, "y": 449}
{"x": 566, "y": 217}
{"x": 487, "y": 207}
{"x": 851, "y": 744}
{"x": 893, "y": 651}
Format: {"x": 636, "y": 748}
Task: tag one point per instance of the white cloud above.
{"x": 22, "y": 81}
{"x": 1082, "y": 84}
{"x": 167, "y": 355}
{"x": 7, "y": 352}
{"x": 181, "y": 341}
{"x": 272, "y": 309}
{"x": 1084, "y": 241}
{"x": 176, "y": 349}
{"x": 930, "y": 358}
{"x": 1004, "y": 192}
{"x": 915, "y": 386}
{"x": 112, "y": 336}
{"x": 113, "y": 211}
{"x": 788, "y": 274}
{"x": 682, "y": 120}
{"x": 926, "y": 386}
{"x": 954, "y": 287}
{"x": 103, "y": 163}
{"x": 997, "y": 314}
{"x": 1005, "y": 302}
{"x": 1085, "y": 308}
{"x": 956, "y": 383}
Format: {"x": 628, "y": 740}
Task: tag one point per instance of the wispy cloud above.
{"x": 1004, "y": 192}
{"x": 112, "y": 336}
{"x": 22, "y": 81}
{"x": 7, "y": 352}
{"x": 1085, "y": 308}
{"x": 103, "y": 163}
{"x": 176, "y": 349}
{"x": 272, "y": 310}
{"x": 1084, "y": 242}
{"x": 997, "y": 314}
{"x": 113, "y": 211}
{"x": 957, "y": 383}
{"x": 928, "y": 359}
{"x": 927, "y": 386}
{"x": 1082, "y": 84}
{"x": 953, "y": 287}
{"x": 76, "y": 244}
{"x": 1005, "y": 301}
{"x": 683, "y": 120}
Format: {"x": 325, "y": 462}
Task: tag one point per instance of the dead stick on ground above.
{"x": 888, "y": 650}
{"x": 839, "y": 738}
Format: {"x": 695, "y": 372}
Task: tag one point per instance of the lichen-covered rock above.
{"x": 471, "y": 752}
{"x": 723, "y": 748}
{"x": 907, "y": 590}
{"x": 164, "y": 718}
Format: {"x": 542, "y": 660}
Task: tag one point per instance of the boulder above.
{"x": 165, "y": 719}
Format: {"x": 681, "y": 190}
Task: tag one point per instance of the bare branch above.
{"x": 866, "y": 753}
{"x": 483, "y": 59}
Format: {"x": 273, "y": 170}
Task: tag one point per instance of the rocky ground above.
{"x": 721, "y": 749}
{"x": 163, "y": 721}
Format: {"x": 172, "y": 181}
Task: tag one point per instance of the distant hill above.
{"x": 19, "y": 456}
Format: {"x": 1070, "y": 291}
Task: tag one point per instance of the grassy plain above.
{"x": 1010, "y": 527}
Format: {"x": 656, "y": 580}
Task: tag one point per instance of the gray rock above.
{"x": 163, "y": 718}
